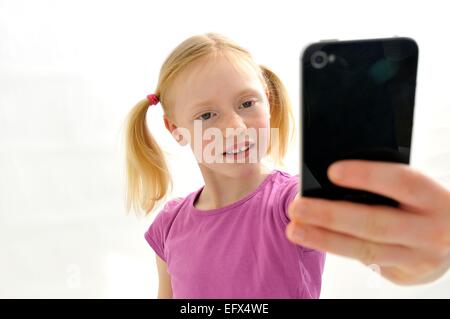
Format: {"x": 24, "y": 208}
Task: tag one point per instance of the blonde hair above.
{"x": 147, "y": 176}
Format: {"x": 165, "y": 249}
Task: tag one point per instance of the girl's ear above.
{"x": 173, "y": 129}
{"x": 267, "y": 94}
{"x": 268, "y": 99}
{"x": 168, "y": 123}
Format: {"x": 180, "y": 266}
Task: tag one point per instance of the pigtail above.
{"x": 281, "y": 116}
{"x": 148, "y": 178}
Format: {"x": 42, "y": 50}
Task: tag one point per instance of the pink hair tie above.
{"x": 153, "y": 98}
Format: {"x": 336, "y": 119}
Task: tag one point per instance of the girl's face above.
{"x": 216, "y": 107}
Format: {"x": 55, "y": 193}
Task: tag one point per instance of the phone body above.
{"x": 357, "y": 102}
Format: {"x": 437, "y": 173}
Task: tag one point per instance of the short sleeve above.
{"x": 157, "y": 233}
{"x": 287, "y": 193}
{"x": 288, "y": 190}
{"x": 313, "y": 262}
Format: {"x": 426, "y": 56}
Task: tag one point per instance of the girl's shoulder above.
{"x": 284, "y": 177}
{"x": 285, "y": 190}
{"x": 172, "y": 206}
{"x": 164, "y": 217}
{"x": 173, "y": 203}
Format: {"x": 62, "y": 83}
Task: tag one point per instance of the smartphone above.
{"x": 357, "y": 102}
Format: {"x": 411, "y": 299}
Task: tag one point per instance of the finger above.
{"x": 378, "y": 223}
{"x": 395, "y": 180}
{"x": 340, "y": 244}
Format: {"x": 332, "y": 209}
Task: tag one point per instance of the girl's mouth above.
{"x": 243, "y": 152}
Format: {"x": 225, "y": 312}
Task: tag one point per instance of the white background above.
{"x": 71, "y": 70}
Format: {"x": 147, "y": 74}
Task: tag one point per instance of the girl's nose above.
{"x": 234, "y": 122}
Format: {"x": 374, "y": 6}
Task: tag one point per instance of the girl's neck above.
{"x": 221, "y": 190}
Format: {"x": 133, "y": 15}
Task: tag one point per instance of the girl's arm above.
{"x": 165, "y": 286}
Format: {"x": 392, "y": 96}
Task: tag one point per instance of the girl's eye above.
{"x": 248, "y": 105}
{"x": 205, "y": 116}
{"x": 208, "y": 115}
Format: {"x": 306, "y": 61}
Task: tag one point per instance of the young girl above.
{"x": 226, "y": 239}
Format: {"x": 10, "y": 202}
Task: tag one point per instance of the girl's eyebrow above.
{"x": 244, "y": 91}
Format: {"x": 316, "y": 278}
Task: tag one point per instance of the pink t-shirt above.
{"x": 236, "y": 251}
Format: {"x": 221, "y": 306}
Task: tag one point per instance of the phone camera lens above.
{"x": 319, "y": 59}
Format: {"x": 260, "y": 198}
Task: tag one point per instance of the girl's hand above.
{"x": 410, "y": 243}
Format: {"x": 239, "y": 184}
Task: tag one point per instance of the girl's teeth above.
{"x": 243, "y": 148}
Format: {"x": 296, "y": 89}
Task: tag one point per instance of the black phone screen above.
{"x": 357, "y": 101}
